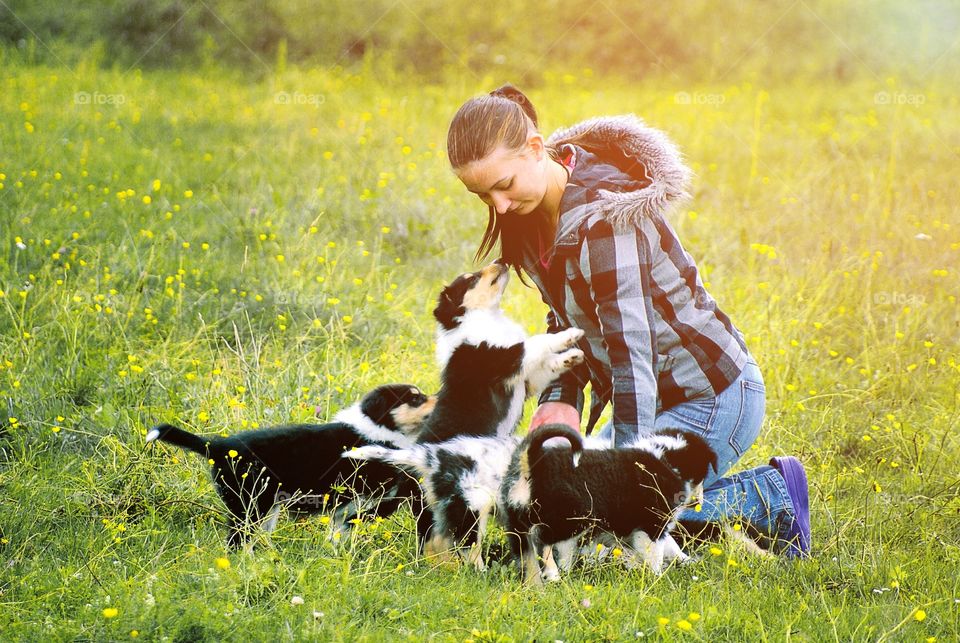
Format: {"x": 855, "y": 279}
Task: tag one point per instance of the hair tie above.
{"x": 514, "y": 95}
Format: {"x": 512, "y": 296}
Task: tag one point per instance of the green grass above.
{"x": 288, "y": 257}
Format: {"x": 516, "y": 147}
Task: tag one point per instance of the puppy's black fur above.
{"x": 450, "y": 307}
{"x": 476, "y": 393}
{"x": 297, "y": 465}
{"x": 553, "y": 494}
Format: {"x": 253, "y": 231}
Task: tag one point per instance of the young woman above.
{"x": 583, "y": 215}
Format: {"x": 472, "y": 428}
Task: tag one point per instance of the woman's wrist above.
{"x": 555, "y": 413}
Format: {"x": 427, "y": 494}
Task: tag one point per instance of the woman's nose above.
{"x": 501, "y": 203}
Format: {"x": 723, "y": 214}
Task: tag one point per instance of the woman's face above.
{"x": 512, "y": 181}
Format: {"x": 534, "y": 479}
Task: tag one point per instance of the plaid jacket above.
{"x": 654, "y": 337}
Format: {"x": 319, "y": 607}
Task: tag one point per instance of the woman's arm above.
{"x": 616, "y": 265}
{"x": 555, "y": 412}
{"x": 568, "y": 387}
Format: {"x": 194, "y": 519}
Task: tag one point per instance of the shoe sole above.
{"x": 797, "y": 487}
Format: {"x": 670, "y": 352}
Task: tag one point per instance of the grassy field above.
{"x": 195, "y": 247}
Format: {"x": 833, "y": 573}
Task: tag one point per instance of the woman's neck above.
{"x": 549, "y": 209}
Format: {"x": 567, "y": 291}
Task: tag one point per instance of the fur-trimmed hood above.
{"x": 645, "y": 153}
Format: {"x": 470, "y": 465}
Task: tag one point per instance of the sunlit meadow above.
{"x": 196, "y": 247}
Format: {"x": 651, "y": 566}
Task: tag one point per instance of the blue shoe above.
{"x": 798, "y": 536}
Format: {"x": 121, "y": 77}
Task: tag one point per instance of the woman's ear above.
{"x": 536, "y": 145}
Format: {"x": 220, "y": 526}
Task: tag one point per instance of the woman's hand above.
{"x": 550, "y": 412}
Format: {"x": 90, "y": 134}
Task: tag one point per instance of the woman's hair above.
{"x": 504, "y": 117}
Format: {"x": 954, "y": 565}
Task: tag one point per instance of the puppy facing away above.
{"x": 489, "y": 367}
{"x": 551, "y": 496}
{"x": 298, "y": 466}
{"x": 460, "y": 479}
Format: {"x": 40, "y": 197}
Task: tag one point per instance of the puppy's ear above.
{"x": 448, "y": 310}
{"x": 694, "y": 459}
{"x": 378, "y": 404}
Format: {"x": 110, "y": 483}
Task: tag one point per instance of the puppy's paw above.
{"x": 473, "y": 556}
{"x": 689, "y": 560}
{"x": 566, "y": 360}
{"x": 573, "y": 357}
{"x": 567, "y": 339}
{"x": 550, "y": 575}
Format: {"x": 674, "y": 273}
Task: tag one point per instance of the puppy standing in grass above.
{"x": 299, "y": 466}
{"x": 551, "y": 496}
{"x": 489, "y": 368}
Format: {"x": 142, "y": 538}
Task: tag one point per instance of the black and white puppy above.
{"x": 489, "y": 365}
{"x": 299, "y": 466}
{"x": 553, "y": 495}
{"x": 460, "y": 479}
{"x": 489, "y": 368}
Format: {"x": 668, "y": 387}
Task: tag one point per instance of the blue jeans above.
{"x": 730, "y": 423}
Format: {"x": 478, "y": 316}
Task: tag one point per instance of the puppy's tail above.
{"x": 412, "y": 459}
{"x": 173, "y": 435}
{"x": 531, "y": 450}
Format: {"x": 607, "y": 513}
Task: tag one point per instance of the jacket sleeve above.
{"x": 568, "y": 388}
{"x": 616, "y": 265}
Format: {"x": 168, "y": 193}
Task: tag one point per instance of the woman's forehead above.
{"x": 484, "y": 173}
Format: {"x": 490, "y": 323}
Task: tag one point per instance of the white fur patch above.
{"x": 651, "y": 551}
{"x": 519, "y": 495}
{"x": 657, "y": 444}
{"x": 369, "y": 429}
{"x": 491, "y": 454}
{"x": 477, "y": 326}
{"x": 565, "y": 553}
{"x": 549, "y": 355}
{"x": 596, "y": 442}
{"x": 412, "y": 457}
{"x": 508, "y": 424}
{"x": 271, "y": 521}
{"x": 492, "y": 457}
{"x": 152, "y": 435}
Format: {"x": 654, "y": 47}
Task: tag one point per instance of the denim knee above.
{"x": 730, "y": 422}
